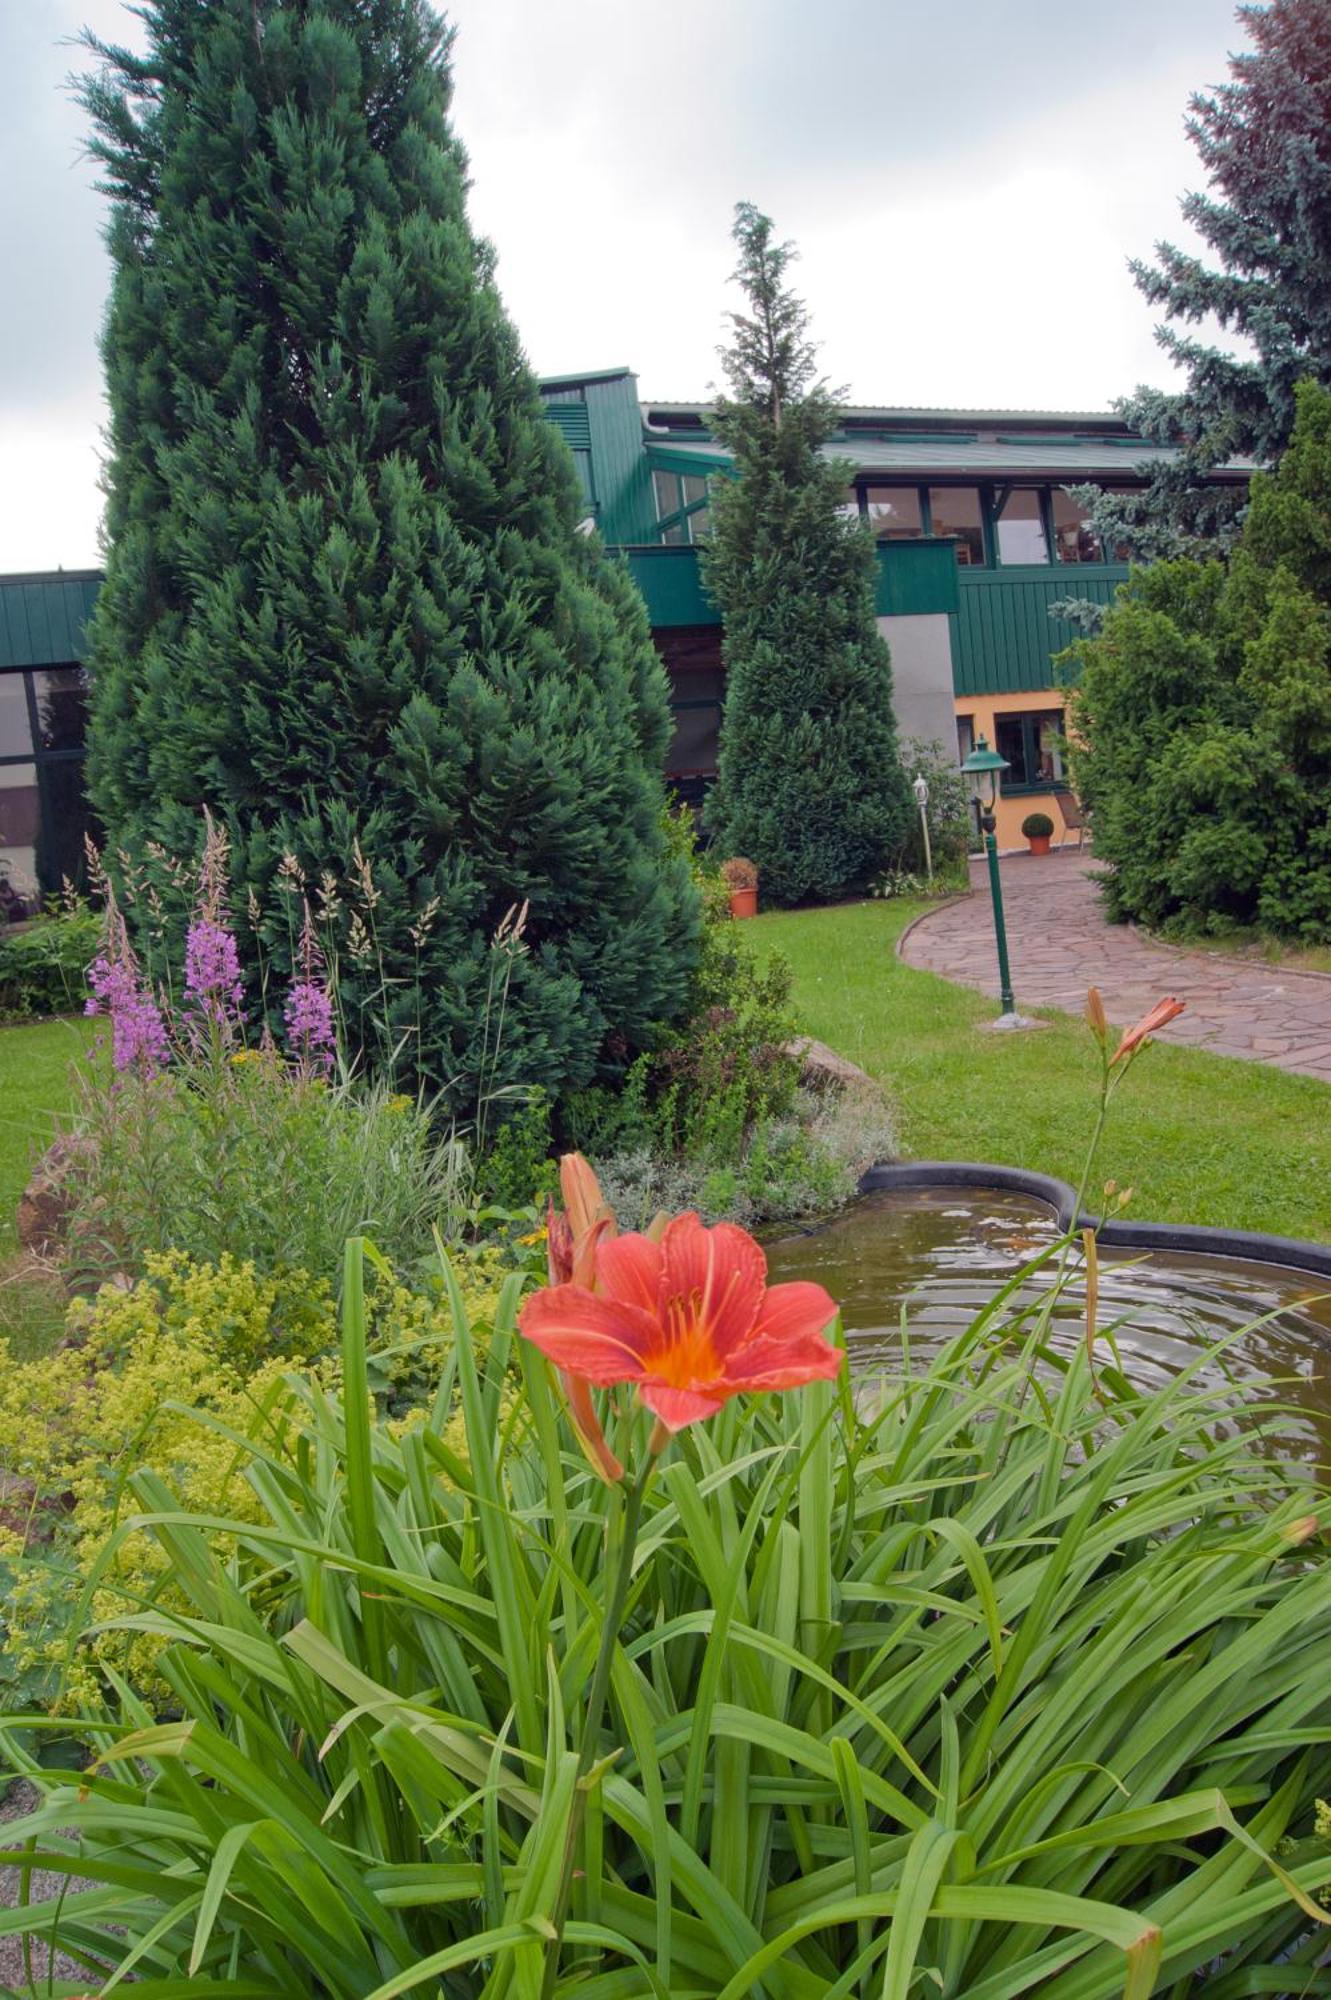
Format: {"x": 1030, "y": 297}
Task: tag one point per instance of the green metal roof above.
{"x": 1070, "y": 458}
{"x": 42, "y": 617}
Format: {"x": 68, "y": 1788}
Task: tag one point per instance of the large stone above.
{"x": 45, "y": 1204}
{"x": 822, "y": 1068}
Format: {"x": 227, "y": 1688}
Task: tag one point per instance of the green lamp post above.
{"x": 984, "y": 767}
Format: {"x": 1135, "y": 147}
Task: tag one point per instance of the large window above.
{"x": 1019, "y": 525}
{"x": 955, "y": 510}
{"x": 692, "y": 656}
{"x": 1075, "y": 540}
{"x": 43, "y": 813}
{"x": 895, "y": 512}
{"x": 1031, "y": 743}
{"x": 681, "y": 506}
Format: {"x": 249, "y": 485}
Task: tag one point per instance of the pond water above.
{"x": 943, "y": 1252}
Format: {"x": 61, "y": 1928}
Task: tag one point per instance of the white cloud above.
{"x": 965, "y": 185}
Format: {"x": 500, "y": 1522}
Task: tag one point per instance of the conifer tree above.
{"x": 810, "y": 785}
{"x": 1264, "y": 140}
{"x": 1201, "y": 720}
{"x": 348, "y": 603}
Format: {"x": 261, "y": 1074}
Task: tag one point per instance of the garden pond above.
{"x": 940, "y": 1253}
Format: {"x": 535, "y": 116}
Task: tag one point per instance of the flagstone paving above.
{"x": 1059, "y": 944}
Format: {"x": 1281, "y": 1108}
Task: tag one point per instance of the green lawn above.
{"x": 1200, "y": 1138}
{"x": 35, "y": 1086}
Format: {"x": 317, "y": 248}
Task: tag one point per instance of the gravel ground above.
{"x": 18, "y": 1800}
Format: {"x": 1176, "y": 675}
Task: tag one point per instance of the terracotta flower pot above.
{"x": 744, "y": 902}
{"x": 1039, "y": 842}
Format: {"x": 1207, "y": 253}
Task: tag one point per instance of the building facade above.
{"x": 978, "y": 538}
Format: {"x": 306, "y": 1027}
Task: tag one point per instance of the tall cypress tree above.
{"x": 347, "y": 602}
{"x": 1264, "y": 140}
{"x": 811, "y": 786}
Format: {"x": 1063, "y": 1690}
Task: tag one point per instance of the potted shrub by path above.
{"x": 741, "y": 878}
{"x": 1037, "y": 828}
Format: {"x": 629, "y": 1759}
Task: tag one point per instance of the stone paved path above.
{"x": 1059, "y": 944}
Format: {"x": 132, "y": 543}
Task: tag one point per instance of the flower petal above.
{"x": 783, "y": 1364}
{"x": 723, "y": 1268}
{"x": 677, "y": 1407}
{"x": 582, "y": 1412}
{"x": 584, "y": 1203}
{"x": 789, "y": 1311}
{"x": 587, "y": 1335}
{"x": 1163, "y": 1011}
{"x": 628, "y": 1268}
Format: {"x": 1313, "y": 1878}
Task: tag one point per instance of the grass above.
{"x": 1204, "y": 1139}
{"x": 36, "y": 1085}
{"x": 1259, "y": 945}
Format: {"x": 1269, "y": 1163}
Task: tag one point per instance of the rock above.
{"x": 822, "y": 1068}
{"x": 45, "y": 1204}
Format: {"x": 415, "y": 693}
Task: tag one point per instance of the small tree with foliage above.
{"x": 1264, "y": 140}
{"x": 1201, "y": 721}
{"x": 811, "y": 786}
{"x": 348, "y": 603}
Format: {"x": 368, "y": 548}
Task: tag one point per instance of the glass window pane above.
{"x": 1047, "y": 731}
{"x": 1021, "y": 528}
{"x": 67, "y": 817}
{"x": 678, "y": 533}
{"x": 700, "y": 523}
{"x": 15, "y": 734}
{"x": 694, "y": 489}
{"x": 62, "y": 707}
{"x": 697, "y": 735}
{"x": 956, "y": 511}
{"x": 20, "y": 833}
{"x": 1010, "y": 741}
{"x": 666, "y": 485}
{"x": 1075, "y": 540}
{"x": 895, "y": 513}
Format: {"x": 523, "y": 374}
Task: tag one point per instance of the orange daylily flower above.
{"x": 1164, "y": 1010}
{"x": 689, "y": 1317}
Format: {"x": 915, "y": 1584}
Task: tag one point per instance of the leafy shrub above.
{"x": 989, "y": 1685}
{"x": 705, "y": 1087}
{"x": 518, "y": 1171}
{"x": 951, "y": 821}
{"x": 1200, "y": 721}
{"x": 804, "y": 1164}
{"x": 247, "y": 1156}
{"x": 44, "y": 963}
{"x": 163, "y": 1377}
{"x": 1037, "y": 826}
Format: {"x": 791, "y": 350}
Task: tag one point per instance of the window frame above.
{"x": 39, "y": 756}
{"x": 1028, "y": 719}
{"x": 992, "y": 493}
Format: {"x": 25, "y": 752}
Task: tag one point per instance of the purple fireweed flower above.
{"x": 138, "y": 1033}
{"x": 311, "y": 1033}
{"x": 309, "y": 1017}
{"x": 213, "y": 986}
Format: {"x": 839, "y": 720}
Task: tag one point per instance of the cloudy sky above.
{"x": 965, "y": 182}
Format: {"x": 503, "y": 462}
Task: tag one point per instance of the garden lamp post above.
{"x": 984, "y": 768}
{"x": 922, "y": 801}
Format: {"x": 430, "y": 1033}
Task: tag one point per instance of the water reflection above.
{"x": 942, "y": 1253}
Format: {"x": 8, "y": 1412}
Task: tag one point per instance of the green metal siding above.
{"x": 625, "y": 510}
{"x": 1003, "y": 639}
{"x": 916, "y": 577}
{"x": 42, "y": 618}
{"x": 671, "y": 584}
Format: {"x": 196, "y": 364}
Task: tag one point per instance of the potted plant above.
{"x": 741, "y": 878}
{"x": 1037, "y": 828}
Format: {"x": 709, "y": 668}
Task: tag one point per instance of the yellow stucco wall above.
{"x": 982, "y": 710}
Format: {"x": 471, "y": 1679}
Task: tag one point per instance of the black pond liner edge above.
{"x": 1238, "y": 1243}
